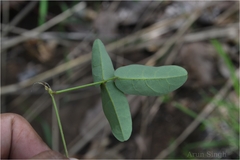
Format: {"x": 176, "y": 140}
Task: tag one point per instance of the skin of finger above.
{"x": 18, "y": 138}
{"x": 49, "y": 155}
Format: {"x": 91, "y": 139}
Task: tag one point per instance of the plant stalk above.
{"x": 55, "y": 105}
{"x": 83, "y": 86}
{"x": 59, "y": 123}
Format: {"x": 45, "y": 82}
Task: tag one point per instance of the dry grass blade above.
{"x": 143, "y": 35}
{"x": 5, "y": 15}
{"x": 86, "y": 58}
{"x": 173, "y": 39}
{"x": 33, "y": 33}
{"x": 19, "y": 17}
{"x": 203, "y": 115}
{"x": 46, "y": 75}
{"x": 229, "y": 31}
{"x": 38, "y": 106}
{"x": 234, "y": 8}
{"x": 96, "y": 126}
{"x": 76, "y": 144}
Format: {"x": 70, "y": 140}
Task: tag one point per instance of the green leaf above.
{"x": 115, "y": 104}
{"x": 149, "y": 81}
{"x": 116, "y": 109}
{"x": 102, "y": 68}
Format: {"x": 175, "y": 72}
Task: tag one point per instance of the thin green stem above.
{"x": 59, "y": 123}
{"x": 55, "y": 105}
{"x": 83, "y": 86}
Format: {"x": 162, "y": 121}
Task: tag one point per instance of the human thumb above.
{"x": 49, "y": 154}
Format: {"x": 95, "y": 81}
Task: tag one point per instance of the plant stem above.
{"x": 55, "y": 105}
{"x": 59, "y": 123}
{"x": 83, "y": 86}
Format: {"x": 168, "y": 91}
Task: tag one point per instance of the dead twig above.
{"x": 152, "y": 60}
{"x": 35, "y": 32}
{"x": 220, "y": 19}
{"x": 202, "y": 116}
{"x": 229, "y": 31}
{"x": 96, "y": 125}
{"x": 19, "y": 17}
{"x": 38, "y": 106}
{"x": 5, "y": 14}
{"x": 86, "y": 57}
{"x": 46, "y": 75}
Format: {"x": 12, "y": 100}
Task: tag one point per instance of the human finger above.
{"x": 18, "y": 138}
{"x": 49, "y": 155}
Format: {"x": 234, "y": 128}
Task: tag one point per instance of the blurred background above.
{"x": 51, "y": 41}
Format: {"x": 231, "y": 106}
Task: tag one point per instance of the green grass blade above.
{"x": 47, "y": 132}
{"x": 117, "y": 111}
{"x": 63, "y": 6}
{"x": 189, "y": 112}
{"x": 205, "y": 144}
{"x": 185, "y": 110}
{"x": 43, "y": 8}
{"x": 217, "y": 45}
{"x": 102, "y": 67}
{"x": 149, "y": 81}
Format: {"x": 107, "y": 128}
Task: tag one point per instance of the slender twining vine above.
{"x": 114, "y": 84}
